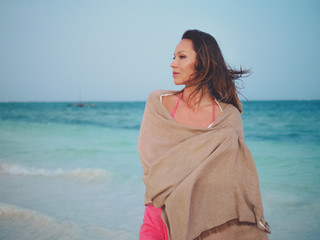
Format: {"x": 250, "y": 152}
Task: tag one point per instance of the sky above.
{"x": 94, "y": 50}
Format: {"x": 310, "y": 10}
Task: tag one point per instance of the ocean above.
{"x": 70, "y": 172}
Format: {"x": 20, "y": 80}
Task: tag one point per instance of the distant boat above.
{"x": 80, "y": 104}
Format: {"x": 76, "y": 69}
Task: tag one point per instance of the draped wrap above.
{"x": 201, "y": 178}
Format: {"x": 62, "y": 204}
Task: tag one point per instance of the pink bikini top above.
{"x": 176, "y": 106}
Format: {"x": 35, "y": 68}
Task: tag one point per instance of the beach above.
{"x": 69, "y": 172}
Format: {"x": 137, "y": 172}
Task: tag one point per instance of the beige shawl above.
{"x": 202, "y": 178}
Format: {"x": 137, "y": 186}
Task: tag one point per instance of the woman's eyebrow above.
{"x": 180, "y": 52}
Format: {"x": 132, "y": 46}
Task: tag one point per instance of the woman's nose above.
{"x": 173, "y": 64}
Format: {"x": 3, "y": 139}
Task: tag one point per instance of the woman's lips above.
{"x": 175, "y": 74}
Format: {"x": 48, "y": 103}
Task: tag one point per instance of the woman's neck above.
{"x": 196, "y": 101}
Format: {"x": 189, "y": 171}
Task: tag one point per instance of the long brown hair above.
{"x": 211, "y": 71}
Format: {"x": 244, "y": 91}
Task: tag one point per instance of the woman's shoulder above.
{"x": 227, "y": 107}
{"x": 166, "y": 97}
{"x": 229, "y": 114}
{"x": 160, "y": 93}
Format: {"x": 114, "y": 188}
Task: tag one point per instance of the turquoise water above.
{"x": 69, "y": 172}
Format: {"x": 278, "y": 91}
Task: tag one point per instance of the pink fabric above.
{"x": 153, "y": 228}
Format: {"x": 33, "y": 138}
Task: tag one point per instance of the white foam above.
{"x": 79, "y": 173}
{"x": 14, "y": 169}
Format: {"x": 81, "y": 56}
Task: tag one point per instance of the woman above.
{"x": 201, "y": 181}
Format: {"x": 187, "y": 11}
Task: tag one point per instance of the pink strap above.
{"x": 175, "y": 108}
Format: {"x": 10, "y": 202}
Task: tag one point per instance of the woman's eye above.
{"x": 181, "y": 57}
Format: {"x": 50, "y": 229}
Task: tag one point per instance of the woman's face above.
{"x": 183, "y": 62}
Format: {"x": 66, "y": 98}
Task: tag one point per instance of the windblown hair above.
{"x": 211, "y": 71}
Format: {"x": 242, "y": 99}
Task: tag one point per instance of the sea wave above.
{"x": 28, "y": 224}
{"x": 21, "y": 223}
{"x": 79, "y": 173}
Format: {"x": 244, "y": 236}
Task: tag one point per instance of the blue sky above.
{"x": 122, "y": 50}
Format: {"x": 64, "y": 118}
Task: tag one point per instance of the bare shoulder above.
{"x": 169, "y": 101}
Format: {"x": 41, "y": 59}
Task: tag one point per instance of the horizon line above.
{"x": 104, "y": 101}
